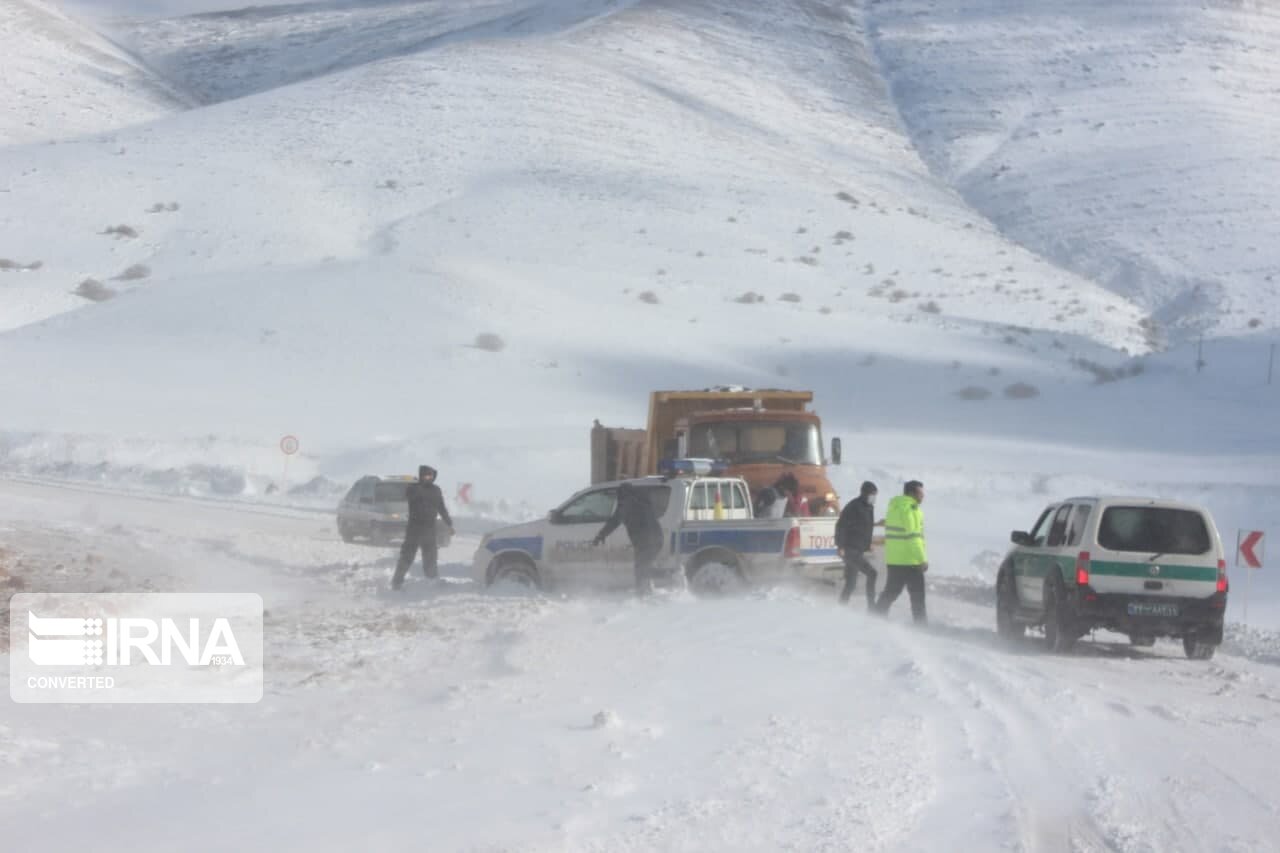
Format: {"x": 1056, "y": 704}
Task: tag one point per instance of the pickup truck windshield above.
{"x": 754, "y": 441}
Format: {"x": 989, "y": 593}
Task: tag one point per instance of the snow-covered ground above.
{"x": 453, "y": 719}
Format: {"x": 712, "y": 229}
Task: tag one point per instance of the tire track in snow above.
{"x": 1101, "y": 751}
{"x": 989, "y": 759}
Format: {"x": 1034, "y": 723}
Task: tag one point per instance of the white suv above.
{"x": 1138, "y": 566}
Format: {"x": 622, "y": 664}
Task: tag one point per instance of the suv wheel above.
{"x": 1196, "y": 649}
{"x": 1059, "y": 628}
{"x": 1006, "y": 604}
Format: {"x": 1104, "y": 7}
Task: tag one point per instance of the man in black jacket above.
{"x": 425, "y": 503}
{"x": 853, "y": 539}
{"x": 634, "y": 511}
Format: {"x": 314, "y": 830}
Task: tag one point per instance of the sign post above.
{"x": 288, "y": 446}
{"x": 1250, "y": 551}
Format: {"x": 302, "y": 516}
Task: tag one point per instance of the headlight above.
{"x": 395, "y": 516}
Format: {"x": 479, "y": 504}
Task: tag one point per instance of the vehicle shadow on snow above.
{"x": 981, "y": 593}
{"x": 1034, "y": 645}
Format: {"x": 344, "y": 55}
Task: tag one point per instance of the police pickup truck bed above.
{"x": 709, "y": 536}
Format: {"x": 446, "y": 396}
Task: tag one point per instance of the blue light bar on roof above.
{"x": 691, "y": 467}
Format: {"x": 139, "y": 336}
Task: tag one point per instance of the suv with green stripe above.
{"x": 1137, "y": 566}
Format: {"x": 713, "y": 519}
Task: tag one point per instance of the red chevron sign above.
{"x": 1250, "y": 549}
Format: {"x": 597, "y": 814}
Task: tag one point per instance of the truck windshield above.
{"x": 754, "y": 441}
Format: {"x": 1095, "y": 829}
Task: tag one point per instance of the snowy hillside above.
{"x": 1131, "y": 142}
{"x": 62, "y": 79}
{"x": 628, "y": 196}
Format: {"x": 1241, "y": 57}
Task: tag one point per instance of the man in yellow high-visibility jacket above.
{"x": 904, "y": 551}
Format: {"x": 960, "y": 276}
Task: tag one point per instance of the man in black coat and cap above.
{"x": 426, "y": 503}
{"x": 634, "y": 511}
{"x": 853, "y": 540}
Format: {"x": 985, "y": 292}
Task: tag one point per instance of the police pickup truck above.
{"x": 710, "y": 539}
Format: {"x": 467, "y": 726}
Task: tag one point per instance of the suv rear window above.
{"x": 390, "y": 493}
{"x": 1153, "y": 530}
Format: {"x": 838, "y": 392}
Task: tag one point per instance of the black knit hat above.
{"x": 424, "y": 470}
{"x": 869, "y": 488}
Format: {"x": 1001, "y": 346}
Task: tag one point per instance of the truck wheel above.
{"x": 1142, "y": 641}
{"x": 714, "y": 579}
{"x": 1006, "y": 605}
{"x": 517, "y": 572}
{"x": 1197, "y": 650}
{"x": 1059, "y": 630}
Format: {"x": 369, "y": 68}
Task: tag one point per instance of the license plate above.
{"x": 1146, "y": 609}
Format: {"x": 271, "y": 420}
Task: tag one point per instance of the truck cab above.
{"x": 760, "y": 434}
{"x": 760, "y": 446}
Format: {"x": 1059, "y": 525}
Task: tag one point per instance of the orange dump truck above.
{"x": 760, "y": 434}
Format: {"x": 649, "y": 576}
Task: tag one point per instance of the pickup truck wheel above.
{"x": 1006, "y": 604}
{"x": 1197, "y": 650}
{"x": 514, "y": 571}
{"x": 715, "y": 579}
{"x": 1059, "y": 632}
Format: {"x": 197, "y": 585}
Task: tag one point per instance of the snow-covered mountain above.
{"x": 63, "y": 79}
{"x": 1131, "y": 142}
{"x": 607, "y": 188}
{"x": 1019, "y": 251}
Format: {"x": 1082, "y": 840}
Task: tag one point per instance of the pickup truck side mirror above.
{"x": 1020, "y": 537}
{"x": 836, "y": 451}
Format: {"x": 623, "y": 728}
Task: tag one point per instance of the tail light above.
{"x": 792, "y": 550}
{"x": 1222, "y": 576}
{"x": 1082, "y": 569}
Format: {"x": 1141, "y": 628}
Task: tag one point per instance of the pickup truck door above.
{"x": 570, "y": 558}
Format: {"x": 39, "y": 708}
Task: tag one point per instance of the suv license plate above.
{"x": 1145, "y": 609}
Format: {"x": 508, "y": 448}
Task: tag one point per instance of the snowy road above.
{"x": 452, "y": 719}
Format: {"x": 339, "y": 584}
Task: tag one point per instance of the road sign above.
{"x": 1250, "y": 547}
{"x": 464, "y": 493}
{"x": 289, "y": 445}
